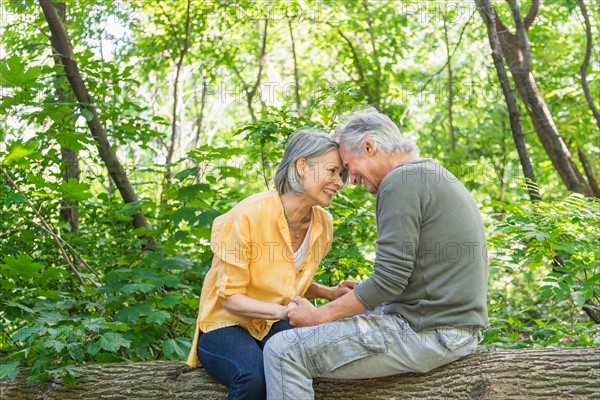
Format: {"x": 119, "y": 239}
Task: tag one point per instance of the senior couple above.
{"x": 259, "y": 335}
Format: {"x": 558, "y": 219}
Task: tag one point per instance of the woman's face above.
{"x": 322, "y": 178}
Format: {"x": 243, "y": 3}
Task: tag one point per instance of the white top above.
{"x": 302, "y": 251}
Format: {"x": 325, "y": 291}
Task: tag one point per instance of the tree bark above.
{"x": 489, "y": 17}
{"x": 108, "y": 156}
{"x": 523, "y": 374}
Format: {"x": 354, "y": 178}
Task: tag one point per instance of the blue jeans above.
{"x": 364, "y": 346}
{"x": 235, "y": 358}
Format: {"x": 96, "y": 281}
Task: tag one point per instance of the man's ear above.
{"x": 368, "y": 145}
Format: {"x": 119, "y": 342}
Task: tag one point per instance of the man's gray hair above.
{"x": 304, "y": 143}
{"x": 379, "y": 127}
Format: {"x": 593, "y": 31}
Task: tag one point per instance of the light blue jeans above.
{"x": 364, "y": 346}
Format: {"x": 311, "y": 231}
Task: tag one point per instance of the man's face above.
{"x": 363, "y": 167}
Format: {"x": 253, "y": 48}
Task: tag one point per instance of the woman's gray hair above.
{"x": 379, "y": 127}
{"x": 304, "y": 143}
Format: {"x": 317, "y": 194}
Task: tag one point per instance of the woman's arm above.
{"x": 329, "y": 293}
{"x": 245, "y": 306}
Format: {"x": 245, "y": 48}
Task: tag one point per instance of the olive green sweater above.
{"x": 431, "y": 260}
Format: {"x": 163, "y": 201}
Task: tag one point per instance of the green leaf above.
{"x": 158, "y": 317}
{"x": 131, "y": 208}
{"x": 20, "y": 267}
{"x": 14, "y": 72}
{"x": 170, "y": 300}
{"x": 87, "y": 114}
{"x": 178, "y": 262}
{"x": 18, "y": 151}
{"x": 9, "y": 370}
{"x": 176, "y": 349}
{"x": 207, "y": 217}
{"x": 94, "y": 324}
{"x": 181, "y": 175}
{"x": 110, "y": 341}
{"x": 71, "y": 140}
{"x": 137, "y": 287}
{"x": 75, "y": 190}
{"x": 184, "y": 214}
{"x": 132, "y": 313}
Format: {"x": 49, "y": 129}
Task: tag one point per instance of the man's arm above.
{"x": 305, "y": 314}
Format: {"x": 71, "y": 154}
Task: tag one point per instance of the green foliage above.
{"x": 545, "y": 254}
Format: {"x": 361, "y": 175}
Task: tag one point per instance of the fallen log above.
{"x": 530, "y": 374}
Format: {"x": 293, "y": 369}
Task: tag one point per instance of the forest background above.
{"x": 132, "y": 125}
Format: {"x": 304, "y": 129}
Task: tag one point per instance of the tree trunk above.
{"x": 586, "y": 62}
{"x": 517, "y": 50}
{"x": 523, "y": 374}
{"x": 488, "y": 15}
{"x": 450, "y": 88}
{"x": 69, "y": 211}
{"x": 65, "y": 51}
{"x": 183, "y": 49}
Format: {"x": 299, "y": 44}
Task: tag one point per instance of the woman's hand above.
{"x": 341, "y": 289}
{"x": 286, "y": 310}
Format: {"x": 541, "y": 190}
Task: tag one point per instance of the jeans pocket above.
{"x": 454, "y": 338}
{"x": 347, "y": 350}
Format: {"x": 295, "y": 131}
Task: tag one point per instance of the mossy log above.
{"x": 513, "y": 374}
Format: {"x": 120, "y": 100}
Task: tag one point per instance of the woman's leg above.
{"x": 233, "y": 357}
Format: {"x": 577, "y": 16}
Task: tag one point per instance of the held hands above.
{"x": 286, "y": 309}
{"x": 303, "y": 314}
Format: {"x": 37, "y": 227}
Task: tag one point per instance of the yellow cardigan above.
{"x": 253, "y": 256}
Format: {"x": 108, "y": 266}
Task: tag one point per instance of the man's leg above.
{"x": 355, "y": 348}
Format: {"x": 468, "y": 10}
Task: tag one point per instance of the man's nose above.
{"x": 353, "y": 178}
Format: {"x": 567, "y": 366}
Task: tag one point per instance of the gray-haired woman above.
{"x": 267, "y": 249}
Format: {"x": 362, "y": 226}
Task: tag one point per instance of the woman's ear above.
{"x": 301, "y": 165}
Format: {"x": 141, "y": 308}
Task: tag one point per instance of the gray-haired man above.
{"x": 428, "y": 283}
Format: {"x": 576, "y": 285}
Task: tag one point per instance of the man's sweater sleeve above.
{"x": 401, "y": 201}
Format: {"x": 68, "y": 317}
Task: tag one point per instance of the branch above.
{"x": 589, "y": 172}
{"x": 170, "y": 23}
{"x": 522, "y": 34}
{"x": 532, "y": 13}
{"x": 363, "y": 79}
{"x": 261, "y": 61}
{"x": 439, "y": 71}
{"x": 46, "y": 226}
{"x": 295, "y": 59}
{"x": 179, "y": 65}
{"x": 373, "y": 44}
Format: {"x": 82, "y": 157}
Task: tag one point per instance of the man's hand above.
{"x": 304, "y": 314}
